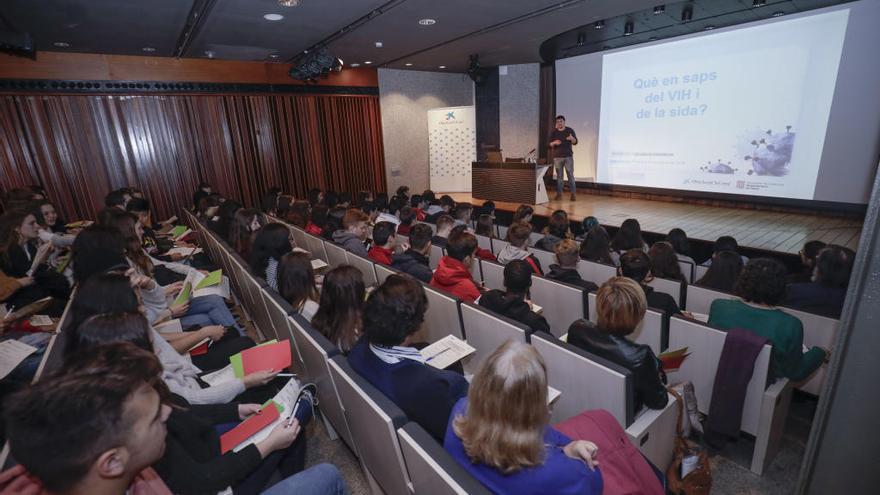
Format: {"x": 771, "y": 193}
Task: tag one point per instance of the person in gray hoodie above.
{"x": 518, "y": 249}
{"x": 557, "y": 230}
{"x": 353, "y": 232}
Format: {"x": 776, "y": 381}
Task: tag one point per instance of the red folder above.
{"x": 249, "y": 427}
{"x": 266, "y": 357}
{"x": 199, "y": 350}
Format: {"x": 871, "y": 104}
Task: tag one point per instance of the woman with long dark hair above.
{"x": 340, "y": 311}
{"x": 723, "y": 273}
{"x": 664, "y": 262}
{"x": 596, "y": 247}
{"x": 270, "y": 244}
{"x": 296, "y": 283}
{"x": 629, "y": 236}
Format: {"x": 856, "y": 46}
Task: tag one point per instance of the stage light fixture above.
{"x": 759, "y": 3}
{"x": 273, "y": 17}
{"x": 628, "y": 28}
{"x": 778, "y": 13}
{"x": 354, "y": 65}
{"x": 61, "y": 44}
{"x": 599, "y": 25}
{"x": 660, "y": 9}
{"x": 427, "y": 22}
{"x": 309, "y": 66}
{"x": 581, "y": 39}
{"x": 148, "y": 49}
{"x": 687, "y": 14}
{"x": 288, "y": 3}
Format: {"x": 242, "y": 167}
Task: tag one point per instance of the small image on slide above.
{"x": 768, "y": 152}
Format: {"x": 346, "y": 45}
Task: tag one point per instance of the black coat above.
{"x": 413, "y": 263}
{"x": 515, "y": 308}
{"x": 570, "y": 276}
{"x": 638, "y": 358}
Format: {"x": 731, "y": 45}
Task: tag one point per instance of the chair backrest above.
{"x": 486, "y": 331}
{"x": 382, "y": 272}
{"x": 432, "y": 470}
{"x": 586, "y": 381}
{"x": 316, "y": 248}
{"x": 818, "y": 331}
{"x": 699, "y": 299}
{"x": 437, "y": 252}
{"x": 279, "y": 312}
{"x": 705, "y": 345}
{"x": 596, "y": 272}
{"x": 687, "y": 269}
{"x": 443, "y": 316}
{"x": 546, "y": 258}
{"x": 484, "y": 242}
{"x": 299, "y": 236}
{"x": 366, "y": 267}
{"x": 672, "y": 287}
{"x": 316, "y": 351}
{"x": 562, "y": 303}
{"x": 653, "y": 331}
{"x": 502, "y": 232}
{"x": 534, "y": 237}
{"x": 493, "y": 274}
{"x": 336, "y": 255}
{"x": 699, "y": 271}
{"x": 374, "y": 421}
{"x": 498, "y": 245}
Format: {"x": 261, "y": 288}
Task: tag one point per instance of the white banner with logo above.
{"x": 452, "y": 147}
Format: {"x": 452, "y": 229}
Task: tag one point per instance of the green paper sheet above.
{"x": 184, "y": 295}
{"x": 212, "y": 278}
{"x": 176, "y": 231}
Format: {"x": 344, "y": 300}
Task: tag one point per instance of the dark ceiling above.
{"x": 499, "y": 31}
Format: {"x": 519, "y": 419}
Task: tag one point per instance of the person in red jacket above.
{"x": 453, "y": 273}
{"x": 483, "y": 254}
{"x": 383, "y": 243}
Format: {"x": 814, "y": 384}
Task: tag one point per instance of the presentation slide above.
{"x": 781, "y": 108}
{"x": 740, "y": 112}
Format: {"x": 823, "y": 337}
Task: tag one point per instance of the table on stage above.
{"x": 514, "y": 182}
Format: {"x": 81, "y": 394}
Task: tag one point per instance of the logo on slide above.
{"x": 450, "y": 115}
{"x": 718, "y": 168}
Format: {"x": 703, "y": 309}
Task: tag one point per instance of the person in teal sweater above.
{"x": 761, "y": 285}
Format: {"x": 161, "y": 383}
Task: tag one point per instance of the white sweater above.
{"x": 181, "y": 377}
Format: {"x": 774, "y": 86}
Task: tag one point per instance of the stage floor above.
{"x": 772, "y": 231}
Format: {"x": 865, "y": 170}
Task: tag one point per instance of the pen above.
{"x": 286, "y": 375}
{"x": 435, "y": 355}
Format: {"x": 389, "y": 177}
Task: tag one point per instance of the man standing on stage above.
{"x": 561, "y": 139}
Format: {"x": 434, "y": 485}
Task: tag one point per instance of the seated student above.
{"x": 418, "y": 204}
{"x": 203, "y": 191}
{"x": 487, "y": 208}
{"x": 664, "y": 262}
{"x": 93, "y": 428}
{"x": 444, "y": 227}
{"x": 826, "y": 293}
{"x": 141, "y": 209}
{"x": 587, "y": 224}
{"x": 723, "y": 273}
{"x": 241, "y": 233}
{"x": 407, "y": 217}
{"x": 415, "y": 260}
{"x": 270, "y": 244}
{"x": 557, "y": 230}
{"x": 453, "y": 274}
{"x": 636, "y": 265}
{"x": 620, "y": 307}
{"x": 523, "y": 213}
{"x": 486, "y": 225}
{"x": 296, "y": 283}
{"x": 52, "y": 228}
{"x": 117, "y": 199}
{"x": 384, "y": 240}
{"x": 501, "y": 432}
{"x": 596, "y": 247}
{"x": 483, "y": 254}
{"x": 513, "y": 303}
{"x": 724, "y": 243}
{"x": 317, "y": 218}
{"x": 446, "y": 204}
{"x": 462, "y": 213}
{"x": 384, "y": 356}
{"x": 353, "y": 232}
{"x": 761, "y": 286}
{"x": 334, "y": 222}
{"x": 808, "y": 260}
{"x": 629, "y": 236}
{"x": 518, "y": 247}
{"x": 566, "y": 270}
{"x": 681, "y": 245}
{"x": 341, "y": 308}
{"x": 25, "y": 371}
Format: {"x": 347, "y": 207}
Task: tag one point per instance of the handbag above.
{"x": 698, "y": 481}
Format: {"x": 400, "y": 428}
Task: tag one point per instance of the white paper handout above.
{"x": 446, "y": 351}
{"x": 195, "y": 277}
{"x": 317, "y": 264}
{"x": 552, "y": 394}
{"x": 170, "y": 326}
{"x": 12, "y": 353}
{"x": 223, "y": 375}
{"x": 286, "y": 398}
{"x": 185, "y": 252}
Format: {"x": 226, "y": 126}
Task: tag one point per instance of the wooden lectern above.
{"x": 512, "y": 182}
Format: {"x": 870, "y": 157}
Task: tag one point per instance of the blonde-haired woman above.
{"x": 620, "y": 307}
{"x": 500, "y": 433}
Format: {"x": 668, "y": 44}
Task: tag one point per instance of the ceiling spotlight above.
{"x": 709, "y": 28}
{"x": 628, "y": 28}
{"x": 61, "y": 44}
{"x": 687, "y": 14}
{"x": 368, "y": 62}
{"x": 598, "y": 24}
{"x": 288, "y": 3}
{"x": 209, "y": 53}
{"x": 378, "y": 44}
{"x": 148, "y": 49}
{"x": 759, "y": 3}
{"x": 273, "y": 55}
{"x": 427, "y": 22}
{"x": 442, "y": 67}
{"x": 354, "y": 65}
{"x": 273, "y": 17}
{"x": 778, "y": 13}
{"x": 408, "y": 64}
{"x": 659, "y": 9}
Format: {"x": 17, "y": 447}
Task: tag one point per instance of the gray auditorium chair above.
{"x": 818, "y": 331}
{"x": 699, "y": 299}
{"x": 672, "y": 287}
{"x": 336, "y": 255}
{"x": 699, "y": 271}
{"x": 562, "y": 303}
{"x": 316, "y": 248}
{"x": 486, "y": 331}
{"x": 498, "y": 245}
{"x": 534, "y": 237}
{"x": 382, "y": 272}
{"x": 437, "y": 252}
{"x": 374, "y": 420}
{"x": 546, "y": 258}
{"x": 431, "y": 469}
{"x": 590, "y": 382}
{"x": 493, "y": 274}
{"x": 765, "y": 407}
{"x": 366, "y": 267}
{"x": 687, "y": 269}
{"x": 443, "y": 316}
{"x": 596, "y": 272}
{"x": 484, "y": 242}
{"x": 299, "y": 236}
{"x": 279, "y": 312}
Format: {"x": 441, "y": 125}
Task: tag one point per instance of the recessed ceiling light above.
{"x": 209, "y": 53}
{"x": 61, "y": 44}
{"x": 273, "y": 17}
{"x": 273, "y": 55}
{"x": 354, "y": 65}
{"x": 778, "y": 13}
{"x": 368, "y": 62}
{"x": 408, "y": 64}
{"x": 288, "y": 3}
{"x": 378, "y": 44}
{"x": 709, "y": 28}
{"x": 427, "y": 22}
{"x": 442, "y": 67}
{"x": 148, "y": 49}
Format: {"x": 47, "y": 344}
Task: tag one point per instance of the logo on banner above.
{"x": 450, "y": 116}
